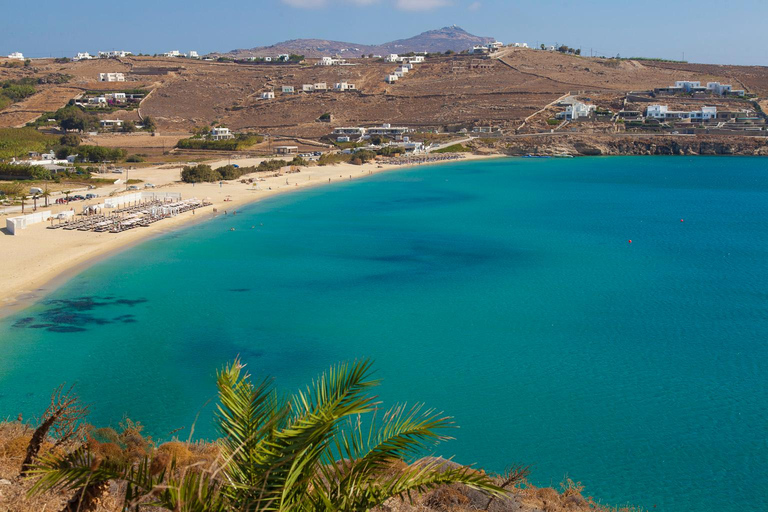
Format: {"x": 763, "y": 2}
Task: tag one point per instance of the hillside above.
{"x": 452, "y": 38}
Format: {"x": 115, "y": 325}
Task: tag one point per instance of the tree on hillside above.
{"x": 308, "y": 452}
{"x": 149, "y": 124}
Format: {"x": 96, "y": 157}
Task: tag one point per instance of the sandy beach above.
{"x": 39, "y": 259}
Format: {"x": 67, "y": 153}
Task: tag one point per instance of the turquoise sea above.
{"x": 504, "y": 292}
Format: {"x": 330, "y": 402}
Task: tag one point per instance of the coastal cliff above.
{"x": 610, "y": 145}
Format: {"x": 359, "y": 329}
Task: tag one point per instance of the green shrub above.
{"x": 456, "y": 148}
{"x": 239, "y": 143}
{"x": 199, "y": 174}
{"x": 17, "y": 142}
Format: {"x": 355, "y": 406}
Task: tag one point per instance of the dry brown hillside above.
{"x": 447, "y": 91}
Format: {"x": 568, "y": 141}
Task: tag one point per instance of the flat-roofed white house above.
{"x": 392, "y": 79}
{"x": 723, "y": 89}
{"x": 520, "y": 45}
{"x": 268, "y": 95}
{"x": 414, "y": 59}
{"x": 82, "y": 56}
{"x": 662, "y": 112}
{"x": 193, "y": 54}
{"x": 283, "y": 57}
{"x": 392, "y": 57}
{"x": 308, "y": 87}
{"x": 114, "y": 54}
{"x": 111, "y": 123}
{"x": 16, "y": 56}
{"x": 111, "y": 77}
{"x": 321, "y": 86}
{"x": 221, "y": 133}
{"x": 288, "y": 89}
{"x": 575, "y": 111}
{"x": 344, "y": 86}
{"x": 387, "y": 130}
{"x": 357, "y": 131}
{"x": 287, "y": 150}
{"x": 330, "y": 61}
{"x": 402, "y": 69}
{"x": 174, "y": 53}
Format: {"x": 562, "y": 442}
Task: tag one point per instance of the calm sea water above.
{"x": 505, "y": 293}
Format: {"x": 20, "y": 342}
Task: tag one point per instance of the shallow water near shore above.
{"x": 503, "y": 292}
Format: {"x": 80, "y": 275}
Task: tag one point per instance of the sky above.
{"x": 710, "y": 31}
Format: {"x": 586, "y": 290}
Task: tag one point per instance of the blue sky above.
{"x": 705, "y": 30}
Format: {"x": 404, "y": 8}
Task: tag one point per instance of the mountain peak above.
{"x": 453, "y": 38}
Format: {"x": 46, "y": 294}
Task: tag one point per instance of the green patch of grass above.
{"x": 455, "y": 148}
{"x": 17, "y": 142}
{"x": 240, "y": 143}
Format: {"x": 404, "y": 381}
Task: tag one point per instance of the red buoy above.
{"x": 682, "y": 220}
{"x": 630, "y": 241}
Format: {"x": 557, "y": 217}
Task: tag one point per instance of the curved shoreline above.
{"x": 34, "y": 269}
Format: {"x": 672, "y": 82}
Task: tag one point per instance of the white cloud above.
{"x": 474, "y": 6}
{"x": 306, "y": 4}
{"x": 420, "y": 5}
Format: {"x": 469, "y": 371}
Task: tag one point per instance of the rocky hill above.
{"x": 433, "y": 41}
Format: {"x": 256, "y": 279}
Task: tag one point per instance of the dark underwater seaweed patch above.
{"x": 74, "y": 315}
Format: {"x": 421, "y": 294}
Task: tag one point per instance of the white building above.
{"x": 723, "y": 89}
{"x": 174, "y": 53}
{"x": 269, "y": 95}
{"x": 662, "y": 112}
{"x": 520, "y": 45}
{"x": 114, "y": 54}
{"x": 402, "y": 69}
{"x": 330, "y": 61}
{"x": 283, "y": 57}
{"x": 357, "y": 131}
{"x": 193, "y": 54}
{"x": 111, "y": 77}
{"x": 111, "y": 123}
{"x": 82, "y": 56}
{"x": 118, "y": 97}
{"x": 392, "y": 79}
{"x": 344, "y": 86}
{"x": 392, "y": 57}
{"x": 321, "y": 86}
{"x": 221, "y": 133}
{"x": 16, "y": 56}
{"x": 575, "y": 111}
{"x": 416, "y": 59}
{"x": 308, "y": 87}
{"x": 288, "y": 89}
{"x": 387, "y": 130}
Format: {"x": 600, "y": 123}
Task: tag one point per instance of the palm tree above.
{"x": 66, "y": 194}
{"x": 308, "y": 452}
{"x": 34, "y": 198}
{"x": 46, "y": 195}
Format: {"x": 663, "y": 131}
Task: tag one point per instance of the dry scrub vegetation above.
{"x": 309, "y": 452}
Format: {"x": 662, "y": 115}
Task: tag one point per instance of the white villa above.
{"x": 268, "y": 95}
{"x": 288, "y": 89}
{"x": 111, "y": 123}
{"x": 221, "y": 133}
{"x": 16, "y": 56}
{"x": 663, "y": 112}
{"x": 576, "y": 111}
{"x": 344, "y": 86}
{"x": 174, "y": 53}
{"x": 392, "y": 57}
{"x": 114, "y": 54}
{"x": 488, "y": 48}
{"x": 723, "y": 89}
{"x": 321, "y": 86}
{"x": 392, "y": 79}
{"x": 387, "y": 130}
{"x": 193, "y": 54}
{"x": 357, "y": 131}
{"x": 111, "y": 77}
{"x": 330, "y": 61}
{"x": 82, "y": 56}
